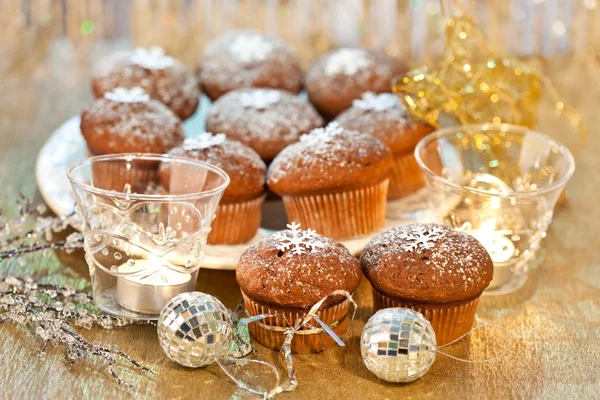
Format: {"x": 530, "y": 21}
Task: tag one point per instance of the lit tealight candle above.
{"x": 149, "y": 290}
{"x": 501, "y": 250}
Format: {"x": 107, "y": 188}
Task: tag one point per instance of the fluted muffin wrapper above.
{"x": 406, "y": 177}
{"x": 115, "y": 175}
{"x": 449, "y": 321}
{"x": 302, "y": 343}
{"x": 341, "y": 215}
{"x": 236, "y": 223}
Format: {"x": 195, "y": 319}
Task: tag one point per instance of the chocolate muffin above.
{"x": 267, "y": 120}
{"x": 239, "y": 212}
{"x": 431, "y": 268}
{"x": 286, "y": 274}
{"x": 343, "y": 75}
{"x": 334, "y": 181}
{"x": 248, "y": 58}
{"x": 128, "y": 121}
{"x": 385, "y": 117}
{"x": 164, "y": 78}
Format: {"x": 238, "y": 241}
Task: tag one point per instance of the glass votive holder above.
{"x": 145, "y": 220}
{"x": 499, "y": 183}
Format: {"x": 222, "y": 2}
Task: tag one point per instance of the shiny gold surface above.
{"x": 555, "y": 317}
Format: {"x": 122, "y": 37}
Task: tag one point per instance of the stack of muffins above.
{"x": 334, "y": 180}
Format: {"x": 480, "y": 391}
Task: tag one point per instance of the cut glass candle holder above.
{"x": 499, "y": 183}
{"x": 144, "y": 243}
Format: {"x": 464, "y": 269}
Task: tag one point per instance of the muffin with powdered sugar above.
{"x": 128, "y": 121}
{"x": 286, "y": 274}
{"x": 248, "y": 58}
{"x": 267, "y": 120}
{"x": 343, "y": 75}
{"x": 334, "y": 181}
{"x": 239, "y": 212}
{"x": 164, "y": 78}
{"x": 434, "y": 269}
{"x": 385, "y": 117}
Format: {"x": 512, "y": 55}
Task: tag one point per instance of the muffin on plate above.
{"x": 128, "y": 121}
{"x": 267, "y": 120}
{"x": 286, "y": 274}
{"x": 432, "y": 269}
{"x": 239, "y": 212}
{"x": 385, "y": 117}
{"x": 248, "y": 58}
{"x": 343, "y": 75}
{"x": 164, "y": 78}
{"x": 334, "y": 181}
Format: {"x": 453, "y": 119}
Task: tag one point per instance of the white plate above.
{"x": 66, "y": 146}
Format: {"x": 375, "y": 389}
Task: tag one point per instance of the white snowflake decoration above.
{"x": 151, "y": 58}
{"x": 321, "y": 135}
{"x": 123, "y": 95}
{"x": 250, "y": 48}
{"x": 298, "y": 241}
{"x": 203, "y": 141}
{"x": 259, "y": 99}
{"x": 378, "y": 102}
{"x": 420, "y": 237}
{"x": 347, "y": 61}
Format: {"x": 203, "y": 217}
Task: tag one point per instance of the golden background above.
{"x": 555, "y": 317}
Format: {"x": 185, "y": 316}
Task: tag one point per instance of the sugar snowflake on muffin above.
{"x": 321, "y": 135}
{"x": 250, "y": 48}
{"x": 347, "y": 61}
{"x": 378, "y": 102}
{"x": 259, "y": 99}
{"x": 298, "y": 241}
{"x": 420, "y": 237}
{"x": 151, "y": 58}
{"x": 203, "y": 141}
{"x": 124, "y": 95}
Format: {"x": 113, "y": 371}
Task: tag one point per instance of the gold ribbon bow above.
{"x": 298, "y": 328}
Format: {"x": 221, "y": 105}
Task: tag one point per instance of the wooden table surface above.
{"x": 555, "y": 317}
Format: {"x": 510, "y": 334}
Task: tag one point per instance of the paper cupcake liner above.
{"x": 114, "y": 175}
{"x": 448, "y": 321}
{"x": 236, "y": 223}
{"x": 406, "y": 177}
{"x": 341, "y": 215}
{"x": 302, "y": 343}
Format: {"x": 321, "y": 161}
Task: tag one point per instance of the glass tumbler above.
{"x": 145, "y": 220}
{"x": 499, "y": 183}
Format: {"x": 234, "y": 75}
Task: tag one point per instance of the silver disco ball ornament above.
{"x": 398, "y": 345}
{"x": 194, "y": 328}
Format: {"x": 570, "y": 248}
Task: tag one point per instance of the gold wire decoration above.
{"x": 475, "y": 85}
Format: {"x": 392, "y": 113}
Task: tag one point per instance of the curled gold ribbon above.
{"x": 311, "y": 331}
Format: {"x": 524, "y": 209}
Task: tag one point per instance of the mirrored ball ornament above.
{"x": 194, "y": 328}
{"x": 398, "y": 345}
